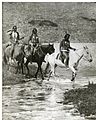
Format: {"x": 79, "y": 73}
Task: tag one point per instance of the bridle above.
{"x": 83, "y": 57}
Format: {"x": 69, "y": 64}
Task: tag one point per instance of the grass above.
{"x": 84, "y": 99}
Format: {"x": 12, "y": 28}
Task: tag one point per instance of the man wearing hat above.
{"x": 65, "y": 49}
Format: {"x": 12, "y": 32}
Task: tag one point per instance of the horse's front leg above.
{"x": 22, "y": 68}
{"x": 46, "y": 69}
{"x": 26, "y": 65}
{"x": 17, "y": 68}
{"x": 74, "y": 73}
{"x": 41, "y": 73}
{"x": 37, "y": 71}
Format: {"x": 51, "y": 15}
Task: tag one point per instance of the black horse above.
{"x": 38, "y": 57}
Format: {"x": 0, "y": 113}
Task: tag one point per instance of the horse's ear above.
{"x": 84, "y": 47}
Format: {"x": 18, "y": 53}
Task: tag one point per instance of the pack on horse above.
{"x": 38, "y": 56}
{"x": 14, "y": 50}
{"x": 55, "y": 60}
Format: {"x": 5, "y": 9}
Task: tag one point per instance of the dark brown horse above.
{"x": 39, "y": 56}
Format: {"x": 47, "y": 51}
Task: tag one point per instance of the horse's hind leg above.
{"x": 17, "y": 68}
{"x": 41, "y": 73}
{"x": 26, "y": 64}
{"x": 22, "y": 68}
{"x": 22, "y": 63}
{"x": 47, "y": 66}
{"x": 37, "y": 72}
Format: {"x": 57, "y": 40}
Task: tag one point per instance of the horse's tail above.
{"x": 4, "y": 58}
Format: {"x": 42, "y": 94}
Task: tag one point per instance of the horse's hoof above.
{"x": 43, "y": 78}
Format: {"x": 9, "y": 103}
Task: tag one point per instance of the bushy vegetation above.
{"x": 84, "y": 99}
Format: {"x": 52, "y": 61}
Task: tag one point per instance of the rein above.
{"x": 42, "y": 51}
{"x": 82, "y": 54}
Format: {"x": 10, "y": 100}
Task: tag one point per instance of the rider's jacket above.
{"x": 14, "y": 36}
{"x": 65, "y": 45}
{"x": 34, "y": 39}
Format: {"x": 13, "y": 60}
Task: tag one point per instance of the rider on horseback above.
{"x": 14, "y": 37}
{"x": 34, "y": 40}
{"x": 65, "y": 48}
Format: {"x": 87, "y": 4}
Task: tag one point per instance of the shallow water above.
{"x": 36, "y": 100}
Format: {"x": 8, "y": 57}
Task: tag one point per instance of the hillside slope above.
{"x": 51, "y": 20}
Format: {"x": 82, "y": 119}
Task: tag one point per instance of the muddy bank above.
{"x": 9, "y": 77}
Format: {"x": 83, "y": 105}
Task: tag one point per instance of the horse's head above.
{"x": 28, "y": 50}
{"x": 87, "y": 55}
{"x": 51, "y": 48}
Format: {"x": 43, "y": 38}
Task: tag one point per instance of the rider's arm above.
{"x": 61, "y": 45}
{"x": 72, "y": 48}
{"x": 67, "y": 44}
{"x": 18, "y": 36}
{"x": 30, "y": 38}
{"x": 37, "y": 40}
{"x": 9, "y": 31}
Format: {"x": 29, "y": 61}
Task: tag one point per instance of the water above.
{"x": 36, "y": 100}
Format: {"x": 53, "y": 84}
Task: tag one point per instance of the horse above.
{"x": 75, "y": 57}
{"x": 38, "y": 57}
{"x": 18, "y": 56}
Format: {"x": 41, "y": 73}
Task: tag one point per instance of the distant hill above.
{"x": 52, "y": 20}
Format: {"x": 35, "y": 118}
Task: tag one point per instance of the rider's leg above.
{"x": 33, "y": 50}
{"x": 66, "y": 60}
{"x": 12, "y": 51}
{"x": 62, "y": 57}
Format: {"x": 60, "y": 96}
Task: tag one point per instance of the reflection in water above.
{"x": 30, "y": 101}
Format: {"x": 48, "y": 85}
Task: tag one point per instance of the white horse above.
{"x": 53, "y": 60}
